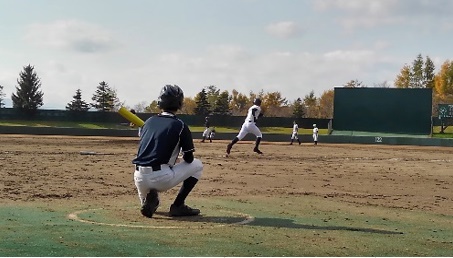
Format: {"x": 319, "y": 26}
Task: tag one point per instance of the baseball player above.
{"x": 315, "y": 134}
{"x": 212, "y": 134}
{"x": 164, "y": 137}
{"x": 249, "y": 126}
{"x": 132, "y": 125}
{"x": 207, "y": 130}
{"x": 294, "y": 135}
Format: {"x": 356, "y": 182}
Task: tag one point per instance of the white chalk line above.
{"x": 247, "y": 219}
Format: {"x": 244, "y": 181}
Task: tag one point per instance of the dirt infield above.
{"x": 418, "y": 178}
{"x": 57, "y": 170}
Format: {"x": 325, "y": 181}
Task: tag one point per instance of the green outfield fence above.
{"x": 375, "y": 138}
{"x": 338, "y": 136}
{"x": 388, "y": 110}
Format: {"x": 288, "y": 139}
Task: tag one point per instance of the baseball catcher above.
{"x": 163, "y": 138}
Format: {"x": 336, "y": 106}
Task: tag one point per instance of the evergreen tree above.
{"x": 417, "y": 78}
{"x": 203, "y": 107}
{"x": 104, "y": 98}
{"x": 311, "y": 103}
{"x": 2, "y": 95}
{"x": 28, "y": 96}
{"x": 298, "y": 108}
{"x": 212, "y": 94}
{"x": 222, "y": 104}
{"x": 419, "y": 75}
{"x": 428, "y": 73}
{"x": 77, "y": 104}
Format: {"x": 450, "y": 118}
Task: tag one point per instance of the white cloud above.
{"x": 349, "y": 55}
{"x": 284, "y": 29}
{"x": 71, "y": 35}
{"x": 294, "y": 74}
{"x": 228, "y": 67}
{"x": 353, "y": 14}
{"x": 357, "y": 6}
{"x": 381, "y": 44}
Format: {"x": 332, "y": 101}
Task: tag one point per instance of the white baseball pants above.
{"x": 168, "y": 177}
{"x": 249, "y": 127}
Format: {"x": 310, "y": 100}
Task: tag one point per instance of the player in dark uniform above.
{"x": 207, "y": 130}
{"x": 132, "y": 125}
{"x": 163, "y": 138}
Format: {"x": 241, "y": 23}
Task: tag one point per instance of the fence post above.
{"x": 329, "y": 127}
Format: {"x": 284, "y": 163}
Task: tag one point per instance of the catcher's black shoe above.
{"x": 257, "y": 150}
{"x": 151, "y": 203}
{"x": 183, "y": 210}
{"x": 229, "y": 146}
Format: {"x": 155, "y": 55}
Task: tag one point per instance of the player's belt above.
{"x": 154, "y": 167}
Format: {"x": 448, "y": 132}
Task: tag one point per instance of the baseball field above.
{"x": 75, "y": 196}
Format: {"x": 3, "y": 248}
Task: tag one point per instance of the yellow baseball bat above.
{"x": 131, "y": 117}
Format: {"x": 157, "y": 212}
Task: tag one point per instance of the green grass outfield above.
{"x": 272, "y": 130}
{"x": 272, "y": 226}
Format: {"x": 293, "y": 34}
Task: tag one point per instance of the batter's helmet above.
{"x": 170, "y": 98}
{"x": 257, "y": 102}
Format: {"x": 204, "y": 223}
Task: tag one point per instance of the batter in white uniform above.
{"x": 249, "y": 126}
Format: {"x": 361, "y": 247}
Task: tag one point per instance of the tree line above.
{"x": 28, "y": 96}
{"x": 420, "y": 74}
{"x": 214, "y": 101}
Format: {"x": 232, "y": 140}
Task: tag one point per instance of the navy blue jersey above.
{"x": 163, "y": 137}
{"x": 207, "y": 124}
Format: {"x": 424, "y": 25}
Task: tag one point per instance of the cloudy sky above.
{"x": 290, "y": 46}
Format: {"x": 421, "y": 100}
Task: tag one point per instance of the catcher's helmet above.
{"x": 170, "y": 98}
{"x": 257, "y": 102}
{"x": 314, "y": 125}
